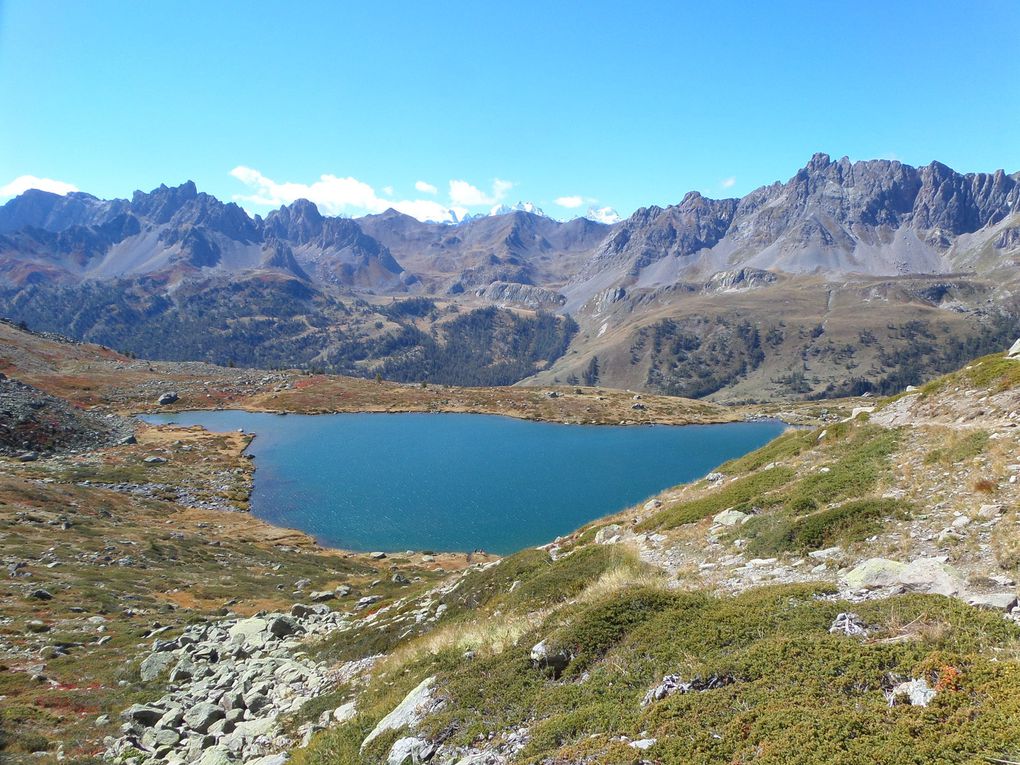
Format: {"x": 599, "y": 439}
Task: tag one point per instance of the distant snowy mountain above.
{"x": 603, "y": 215}
{"x": 528, "y": 207}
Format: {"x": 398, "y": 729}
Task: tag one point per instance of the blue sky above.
{"x": 592, "y": 104}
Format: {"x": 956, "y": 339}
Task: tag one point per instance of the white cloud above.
{"x": 728, "y": 183}
{"x": 425, "y": 188}
{"x": 464, "y": 194}
{"x": 569, "y": 202}
{"x": 349, "y": 196}
{"x": 23, "y": 183}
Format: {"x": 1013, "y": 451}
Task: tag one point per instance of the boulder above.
{"x": 408, "y": 713}
{"x": 873, "y": 574}
{"x": 247, "y": 628}
{"x": 917, "y": 693}
{"x": 270, "y": 759}
{"x": 261, "y": 726}
{"x": 154, "y": 665}
{"x": 932, "y": 576}
{"x": 1014, "y": 351}
{"x": 160, "y": 738}
{"x": 987, "y": 512}
{"x": 344, "y": 712}
{"x": 282, "y": 626}
{"x": 41, "y": 594}
{"x": 201, "y": 716}
{"x": 143, "y": 714}
{"x": 556, "y": 660}
{"x": 730, "y": 518}
{"x": 608, "y": 534}
{"x": 410, "y": 749}
{"x": 216, "y": 755}
{"x": 170, "y": 397}
{"x": 997, "y": 601}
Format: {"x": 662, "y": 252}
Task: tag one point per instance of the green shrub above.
{"x": 741, "y": 494}
{"x": 850, "y": 522}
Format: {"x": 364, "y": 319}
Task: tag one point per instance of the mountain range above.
{"x": 713, "y": 297}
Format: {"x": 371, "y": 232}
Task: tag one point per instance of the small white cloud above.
{"x": 569, "y": 202}
{"x": 464, "y": 194}
{"x": 728, "y": 183}
{"x": 388, "y": 191}
{"x": 425, "y": 188}
{"x": 23, "y": 183}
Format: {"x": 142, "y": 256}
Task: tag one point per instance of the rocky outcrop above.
{"x": 529, "y": 296}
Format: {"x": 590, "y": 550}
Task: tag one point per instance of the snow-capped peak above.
{"x": 603, "y": 215}
{"x": 528, "y": 207}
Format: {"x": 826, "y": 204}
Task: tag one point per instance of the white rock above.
{"x": 643, "y": 744}
{"x": 918, "y": 692}
{"x": 827, "y": 553}
{"x": 408, "y": 713}
{"x": 933, "y": 576}
{"x": 246, "y": 628}
{"x": 730, "y": 518}
{"x": 344, "y": 712}
{"x": 987, "y": 512}
{"x": 873, "y": 574}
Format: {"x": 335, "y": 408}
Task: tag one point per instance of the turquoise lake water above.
{"x": 461, "y": 482}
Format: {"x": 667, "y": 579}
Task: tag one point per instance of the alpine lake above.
{"x": 462, "y": 482}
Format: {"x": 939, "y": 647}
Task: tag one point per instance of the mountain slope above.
{"x": 818, "y": 286}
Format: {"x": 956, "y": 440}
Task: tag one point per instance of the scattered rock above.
{"x": 917, "y": 693}
{"x": 410, "y": 749}
{"x": 999, "y": 601}
{"x": 344, "y": 712}
{"x": 547, "y": 658}
{"x": 848, "y": 623}
{"x": 730, "y": 518}
{"x": 154, "y": 665}
{"x": 874, "y": 574}
{"x": 201, "y": 716}
{"x": 408, "y": 713}
{"x": 142, "y": 714}
{"x": 671, "y": 684}
{"x": 170, "y": 397}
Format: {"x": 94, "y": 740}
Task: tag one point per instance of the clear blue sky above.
{"x": 628, "y": 104}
